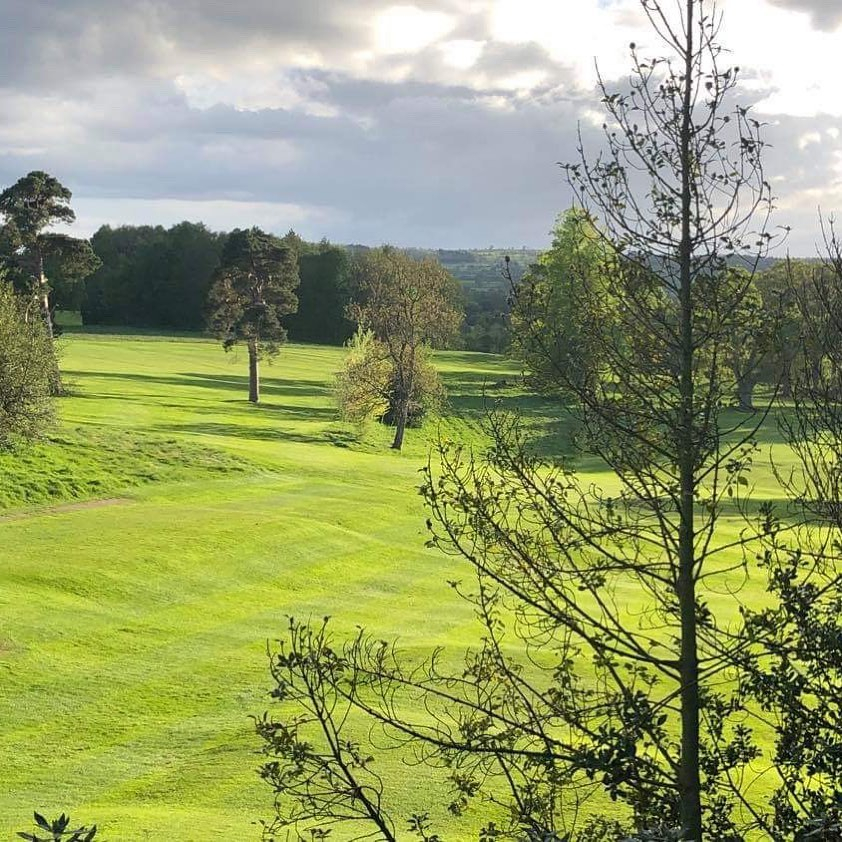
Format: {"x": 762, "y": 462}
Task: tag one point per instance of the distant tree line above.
{"x": 156, "y": 277}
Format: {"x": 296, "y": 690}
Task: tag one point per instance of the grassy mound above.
{"x": 78, "y": 463}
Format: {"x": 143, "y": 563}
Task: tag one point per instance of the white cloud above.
{"x": 794, "y": 65}
{"x": 408, "y": 29}
{"x": 218, "y": 214}
{"x": 461, "y": 53}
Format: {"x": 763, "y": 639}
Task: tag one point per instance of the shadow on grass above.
{"x": 218, "y": 382}
{"x": 337, "y": 438}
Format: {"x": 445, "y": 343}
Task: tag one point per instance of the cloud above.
{"x": 434, "y": 123}
{"x": 826, "y": 14}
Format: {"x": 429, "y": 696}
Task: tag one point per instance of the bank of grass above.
{"x": 133, "y": 634}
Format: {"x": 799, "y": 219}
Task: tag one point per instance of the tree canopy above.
{"x": 30, "y": 207}
{"x": 253, "y": 288}
{"x": 26, "y": 370}
{"x": 408, "y": 305}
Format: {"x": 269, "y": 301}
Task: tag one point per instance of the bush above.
{"x": 362, "y": 387}
{"x": 27, "y": 368}
{"x": 366, "y": 387}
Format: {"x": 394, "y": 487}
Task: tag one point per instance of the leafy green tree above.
{"x": 30, "y": 207}
{"x": 27, "y": 364}
{"x": 151, "y": 276}
{"x": 787, "y": 291}
{"x": 752, "y": 334}
{"x": 365, "y": 386}
{"x": 797, "y": 681}
{"x": 362, "y": 386}
{"x": 253, "y": 289}
{"x": 409, "y": 305}
{"x": 563, "y": 303}
{"x": 323, "y": 295}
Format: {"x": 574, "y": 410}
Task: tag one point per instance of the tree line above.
{"x": 154, "y": 277}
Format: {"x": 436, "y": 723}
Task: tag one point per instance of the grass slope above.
{"x": 133, "y": 635}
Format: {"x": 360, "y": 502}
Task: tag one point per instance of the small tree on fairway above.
{"x": 409, "y": 305}
{"x": 365, "y": 386}
{"x": 253, "y": 289}
{"x": 27, "y": 363}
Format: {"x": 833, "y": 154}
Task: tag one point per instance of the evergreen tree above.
{"x": 254, "y": 287}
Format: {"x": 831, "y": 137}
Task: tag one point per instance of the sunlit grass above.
{"x": 133, "y": 634}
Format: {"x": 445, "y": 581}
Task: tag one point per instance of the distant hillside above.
{"x": 476, "y": 268}
{"x": 482, "y": 269}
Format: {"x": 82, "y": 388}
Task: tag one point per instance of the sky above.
{"x": 439, "y": 123}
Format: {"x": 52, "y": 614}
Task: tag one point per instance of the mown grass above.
{"x": 133, "y": 635}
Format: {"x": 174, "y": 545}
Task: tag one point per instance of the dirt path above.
{"x": 61, "y": 508}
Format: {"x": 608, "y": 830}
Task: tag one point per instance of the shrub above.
{"x": 27, "y": 366}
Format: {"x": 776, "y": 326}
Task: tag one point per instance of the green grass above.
{"x": 159, "y": 537}
{"x": 133, "y": 634}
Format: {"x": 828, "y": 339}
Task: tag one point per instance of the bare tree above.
{"x": 603, "y": 665}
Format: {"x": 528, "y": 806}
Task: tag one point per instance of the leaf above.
{"x": 42, "y": 822}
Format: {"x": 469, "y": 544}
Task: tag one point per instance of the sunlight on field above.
{"x": 140, "y": 591}
{"x": 133, "y": 634}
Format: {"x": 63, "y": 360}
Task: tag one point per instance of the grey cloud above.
{"x": 89, "y": 95}
{"x": 827, "y": 14}
{"x": 52, "y": 41}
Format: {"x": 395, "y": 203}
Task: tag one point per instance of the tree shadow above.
{"x": 337, "y": 438}
{"x": 217, "y": 382}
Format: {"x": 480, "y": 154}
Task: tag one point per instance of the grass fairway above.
{"x": 155, "y": 543}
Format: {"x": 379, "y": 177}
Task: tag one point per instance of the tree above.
{"x": 253, "y": 289}
{"x": 787, "y": 293}
{"x": 562, "y": 303}
{"x": 797, "y": 682}
{"x": 26, "y": 368}
{"x": 323, "y": 296}
{"x": 151, "y": 276}
{"x": 408, "y": 305}
{"x": 32, "y": 205}
{"x": 365, "y": 387}
{"x": 622, "y": 679}
{"x": 754, "y": 336}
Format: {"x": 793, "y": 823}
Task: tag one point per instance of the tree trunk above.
{"x": 745, "y": 394}
{"x": 43, "y": 293}
{"x": 254, "y": 372}
{"x": 401, "y": 418}
{"x": 689, "y": 782}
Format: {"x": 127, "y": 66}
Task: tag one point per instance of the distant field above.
{"x": 156, "y": 542}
